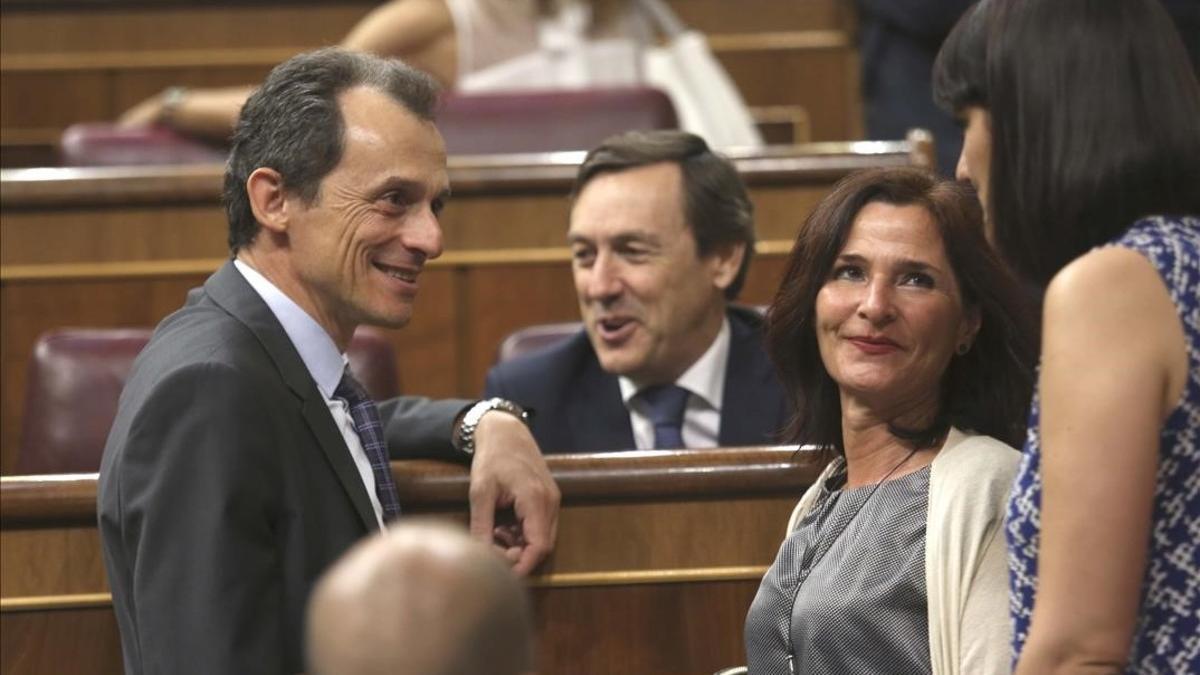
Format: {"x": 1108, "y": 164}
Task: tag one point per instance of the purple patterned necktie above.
{"x": 664, "y": 406}
{"x": 370, "y": 434}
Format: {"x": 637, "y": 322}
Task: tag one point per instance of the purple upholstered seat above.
{"x": 104, "y": 144}
{"x": 532, "y": 338}
{"x": 75, "y": 377}
{"x": 472, "y": 124}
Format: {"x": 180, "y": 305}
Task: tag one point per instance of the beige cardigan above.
{"x": 966, "y": 575}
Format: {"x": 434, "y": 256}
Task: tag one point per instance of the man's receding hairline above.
{"x": 365, "y": 89}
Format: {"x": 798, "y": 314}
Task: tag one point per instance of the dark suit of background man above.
{"x": 661, "y": 233}
{"x": 238, "y": 469}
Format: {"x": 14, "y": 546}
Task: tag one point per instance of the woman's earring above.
{"x": 962, "y": 349}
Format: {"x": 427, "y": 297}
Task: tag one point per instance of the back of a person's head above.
{"x": 421, "y": 599}
{"x": 1094, "y": 107}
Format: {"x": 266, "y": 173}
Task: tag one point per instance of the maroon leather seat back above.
{"x": 105, "y": 144}
{"x": 74, "y": 380}
{"x": 472, "y": 124}
{"x": 75, "y": 377}
{"x": 373, "y": 362}
{"x": 549, "y": 121}
{"x": 532, "y": 338}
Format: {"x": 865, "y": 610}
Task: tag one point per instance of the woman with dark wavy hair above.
{"x": 908, "y": 350}
{"x": 1083, "y": 139}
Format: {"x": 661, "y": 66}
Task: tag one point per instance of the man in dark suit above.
{"x": 661, "y": 234}
{"x": 244, "y": 459}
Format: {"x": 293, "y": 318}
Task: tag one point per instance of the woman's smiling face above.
{"x": 890, "y": 315}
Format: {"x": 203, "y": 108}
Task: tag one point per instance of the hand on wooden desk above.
{"x": 509, "y": 471}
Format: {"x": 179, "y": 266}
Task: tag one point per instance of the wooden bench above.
{"x": 66, "y": 62}
{"x": 658, "y": 558}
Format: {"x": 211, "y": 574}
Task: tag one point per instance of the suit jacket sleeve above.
{"x": 493, "y": 385}
{"x": 199, "y": 488}
{"x": 416, "y": 426}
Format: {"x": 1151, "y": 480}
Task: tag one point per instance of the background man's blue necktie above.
{"x": 370, "y": 434}
{"x": 665, "y": 404}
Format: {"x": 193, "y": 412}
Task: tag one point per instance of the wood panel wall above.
{"x": 657, "y": 560}
{"x": 65, "y": 63}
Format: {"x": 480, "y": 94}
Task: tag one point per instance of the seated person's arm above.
{"x": 416, "y": 31}
{"x": 413, "y": 30}
{"x": 419, "y": 427}
{"x": 207, "y": 113}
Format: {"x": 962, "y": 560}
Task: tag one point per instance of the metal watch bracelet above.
{"x": 470, "y": 420}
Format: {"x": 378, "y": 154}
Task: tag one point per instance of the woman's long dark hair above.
{"x": 1095, "y": 120}
{"x": 987, "y": 390}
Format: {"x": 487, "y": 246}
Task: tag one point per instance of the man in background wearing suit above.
{"x": 661, "y": 233}
{"x": 244, "y": 458}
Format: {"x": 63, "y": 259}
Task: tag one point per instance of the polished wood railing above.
{"x": 658, "y": 556}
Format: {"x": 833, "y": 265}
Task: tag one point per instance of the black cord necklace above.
{"x": 807, "y": 562}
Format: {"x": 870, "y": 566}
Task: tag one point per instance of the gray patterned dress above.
{"x": 846, "y": 594}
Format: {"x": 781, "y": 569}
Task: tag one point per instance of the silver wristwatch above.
{"x": 470, "y": 420}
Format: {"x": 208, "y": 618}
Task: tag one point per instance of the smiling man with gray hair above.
{"x": 245, "y": 458}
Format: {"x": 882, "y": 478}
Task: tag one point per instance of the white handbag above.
{"x": 706, "y": 100}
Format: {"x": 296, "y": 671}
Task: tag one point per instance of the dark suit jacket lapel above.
{"x": 748, "y": 376}
{"x": 229, "y": 289}
{"x": 596, "y": 412}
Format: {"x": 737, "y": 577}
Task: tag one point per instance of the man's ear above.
{"x": 725, "y": 260}
{"x": 268, "y": 199}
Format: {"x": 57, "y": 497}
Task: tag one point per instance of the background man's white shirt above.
{"x": 705, "y": 381}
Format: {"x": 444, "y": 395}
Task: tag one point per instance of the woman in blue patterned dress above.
{"x": 1083, "y": 141}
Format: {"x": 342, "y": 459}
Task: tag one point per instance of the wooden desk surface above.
{"x": 647, "y": 541}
